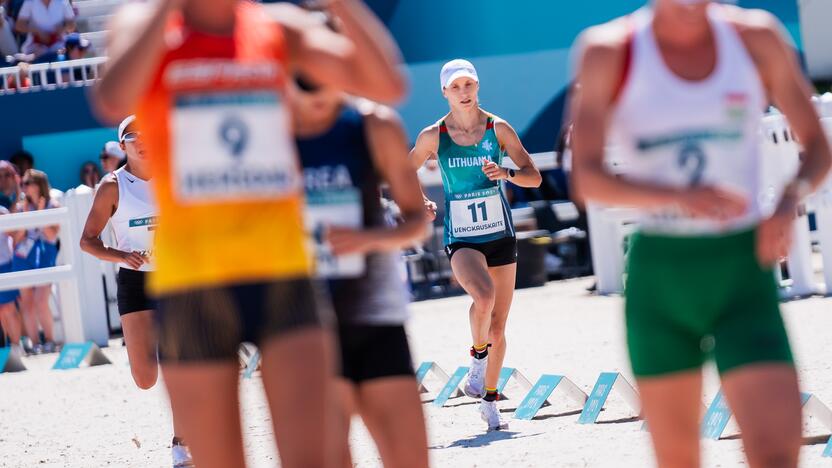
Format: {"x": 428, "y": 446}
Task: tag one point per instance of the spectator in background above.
{"x": 36, "y": 248}
{"x": 8, "y": 312}
{"x": 8, "y": 43}
{"x": 90, "y": 174}
{"x": 112, "y": 157}
{"x": 46, "y": 22}
{"x": 23, "y": 161}
{"x": 76, "y": 46}
{"x": 9, "y": 186}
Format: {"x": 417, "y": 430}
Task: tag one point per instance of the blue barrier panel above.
{"x": 600, "y": 393}
{"x": 538, "y": 395}
{"x": 450, "y": 388}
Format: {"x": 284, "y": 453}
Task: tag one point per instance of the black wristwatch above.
{"x": 511, "y": 173}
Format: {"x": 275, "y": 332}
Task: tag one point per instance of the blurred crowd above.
{"x": 39, "y": 31}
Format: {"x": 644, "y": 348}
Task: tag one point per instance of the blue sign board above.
{"x": 72, "y": 355}
{"x": 451, "y": 387}
{"x": 600, "y": 393}
{"x": 537, "y": 396}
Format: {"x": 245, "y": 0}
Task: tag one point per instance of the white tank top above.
{"x": 134, "y": 221}
{"x": 676, "y": 133}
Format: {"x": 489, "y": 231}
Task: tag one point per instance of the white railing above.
{"x": 49, "y": 76}
{"x": 80, "y": 290}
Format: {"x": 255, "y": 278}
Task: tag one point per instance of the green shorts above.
{"x": 690, "y": 297}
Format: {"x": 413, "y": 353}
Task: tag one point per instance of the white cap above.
{"x": 114, "y": 149}
{"x": 122, "y": 128}
{"x": 457, "y": 69}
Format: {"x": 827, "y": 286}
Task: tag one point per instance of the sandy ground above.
{"x": 96, "y": 417}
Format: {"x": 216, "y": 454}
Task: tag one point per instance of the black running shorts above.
{"x": 131, "y": 295}
{"x": 371, "y": 352}
{"x": 498, "y": 252}
{"x": 210, "y": 324}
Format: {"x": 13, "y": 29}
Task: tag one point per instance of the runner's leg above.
{"x": 671, "y": 405}
{"x": 471, "y": 270}
{"x": 392, "y": 411}
{"x": 298, "y": 377}
{"x": 765, "y": 399}
{"x": 503, "y": 278}
{"x": 140, "y": 338}
{"x": 210, "y": 420}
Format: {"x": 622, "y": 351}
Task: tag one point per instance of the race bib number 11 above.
{"x": 232, "y": 147}
{"x": 477, "y": 216}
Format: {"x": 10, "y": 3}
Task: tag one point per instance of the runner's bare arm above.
{"x": 427, "y": 144}
{"x": 790, "y": 92}
{"x": 362, "y": 61}
{"x": 103, "y": 206}
{"x": 527, "y": 174}
{"x": 134, "y": 45}
{"x": 389, "y": 147}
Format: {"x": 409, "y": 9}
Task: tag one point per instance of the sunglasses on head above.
{"x": 306, "y": 85}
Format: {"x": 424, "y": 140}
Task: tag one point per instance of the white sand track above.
{"x": 96, "y": 417}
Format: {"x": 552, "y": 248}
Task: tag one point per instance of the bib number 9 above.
{"x": 234, "y": 135}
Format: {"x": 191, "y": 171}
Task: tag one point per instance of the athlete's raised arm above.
{"x": 600, "y": 69}
{"x": 363, "y": 60}
{"x": 527, "y": 174}
{"x": 134, "y": 46}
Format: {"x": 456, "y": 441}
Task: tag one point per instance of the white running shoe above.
{"x": 181, "y": 456}
{"x": 475, "y": 385}
{"x": 491, "y": 415}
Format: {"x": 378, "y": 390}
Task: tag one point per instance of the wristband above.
{"x": 511, "y": 173}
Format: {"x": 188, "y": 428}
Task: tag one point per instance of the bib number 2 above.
{"x": 692, "y": 161}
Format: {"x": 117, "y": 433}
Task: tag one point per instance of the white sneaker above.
{"x": 475, "y": 385}
{"x": 181, "y": 456}
{"x": 491, "y": 415}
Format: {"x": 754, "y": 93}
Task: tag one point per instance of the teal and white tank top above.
{"x": 476, "y": 209}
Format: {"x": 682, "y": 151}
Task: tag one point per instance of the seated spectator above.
{"x": 112, "y": 157}
{"x": 23, "y": 161}
{"x": 46, "y": 22}
{"x": 9, "y": 185}
{"x": 8, "y": 43}
{"x": 76, "y": 46}
{"x": 90, "y": 174}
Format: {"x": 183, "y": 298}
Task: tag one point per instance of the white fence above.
{"x": 49, "y": 76}
{"x": 80, "y": 289}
